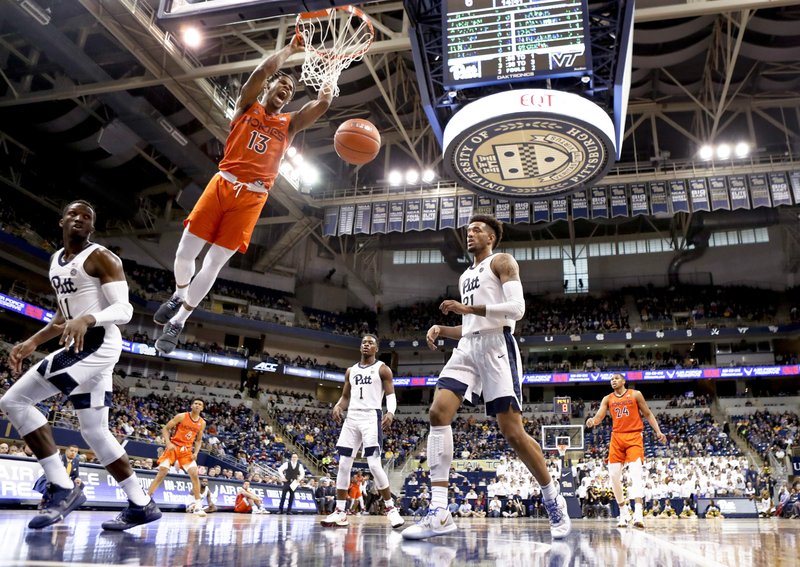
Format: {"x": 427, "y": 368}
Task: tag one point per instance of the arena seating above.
{"x": 353, "y": 322}
{"x": 765, "y": 430}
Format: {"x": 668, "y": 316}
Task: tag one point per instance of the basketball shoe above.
{"x": 168, "y": 340}
{"x": 394, "y": 517}
{"x": 638, "y": 520}
{"x": 437, "y": 522}
{"x": 58, "y": 502}
{"x": 199, "y": 512}
{"x": 560, "y": 524}
{"x": 167, "y": 310}
{"x": 134, "y": 515}
{"x": 336, "y": 519}
{"x": 624, "y": 517}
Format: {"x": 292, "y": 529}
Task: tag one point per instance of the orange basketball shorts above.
{"x": 242, "y": 506}
{"x": 225, "y": 216}
{"x": 183, "y": 455}
{"x": 626, "y": 447}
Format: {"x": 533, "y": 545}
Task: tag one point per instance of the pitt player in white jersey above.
{"x": 92, "y": 296}
{"x": 486, "y": 363}
{"x": 365, "y": 384}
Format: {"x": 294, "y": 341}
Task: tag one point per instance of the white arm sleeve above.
{"x": 514, "y": 305}
{"x": 391, "y": 404}
{"x": 120, "y": 310}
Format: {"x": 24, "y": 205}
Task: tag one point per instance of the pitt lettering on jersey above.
{"x": 362, "y": 379}
{"x": 63, "y": 286}
{"x": 471, "y": 284}
{"x": 271, "y": 131}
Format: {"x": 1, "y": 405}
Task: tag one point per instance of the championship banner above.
{"x": 737, "y": 187}
{"x": 718, "y": 188}
{"x": 465, "y": 205}
{"x": 541, "y": 211}
{"x": 678, "y": 196}
{"x": 559, "y": 208}
{"x": 363, "y": 214}
{"x": 779, "y": 189}
{"x": 502, "y": 210}
{"x": 447, "y": 212}
{"x": 347, "y": 214}
{"x": 794, "y": 182}
{"x": 699, "y": 193}
{"x": 759, "y": 190}
{"x": 658, "y": 198}
{"x": 639, "y": 204}
{"x": 522, "y": 212}
{"x": 430, "y": 209}
{"x": 380, "y": 215}
{"x": 580, "y": 205}
{"x": 331, "y": 220}
{"x": 413, "y": 215}
{"x": 599, "y": 203}
{"x": 619, "y": 201}
{"x": 485, "y": 205}
{"x": 396, "y": 216}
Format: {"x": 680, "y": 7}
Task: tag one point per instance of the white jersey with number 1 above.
{"x": 366, "y": 388}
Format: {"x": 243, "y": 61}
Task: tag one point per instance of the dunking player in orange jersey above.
{"x": 627, "y": 443}
{"x": 226, "y": 213}
{"x": 183, "y": 448}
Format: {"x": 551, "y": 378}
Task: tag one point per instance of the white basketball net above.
{"x": 333, "y": 39}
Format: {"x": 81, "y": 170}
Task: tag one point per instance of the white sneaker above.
{"x": 254, "y": 510}
{"x": 394, "y": 517}
{"x": 624, "y": 517}
{"x": 199, "y": 512}
{"x": 437, "y": 522}
{"x": 638, "y": 521}
{"x": 560, "y": 524}
{"x": 337, "y": 518}
{"x": 264, "y": 511}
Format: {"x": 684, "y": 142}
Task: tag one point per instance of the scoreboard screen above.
{"x": 562, "y": 405}
{"x": 490, "y": 41}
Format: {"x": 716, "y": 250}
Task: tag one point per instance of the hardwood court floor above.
{"x": 233, "y": 539}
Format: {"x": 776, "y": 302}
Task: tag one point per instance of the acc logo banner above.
{"x": 529, "y": 143}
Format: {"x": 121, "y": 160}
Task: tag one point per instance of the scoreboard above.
{"x": 562, "y": 405}
{"x": 490, "y": 41}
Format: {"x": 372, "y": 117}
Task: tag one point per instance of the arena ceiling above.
{"x": 98, "y": 101}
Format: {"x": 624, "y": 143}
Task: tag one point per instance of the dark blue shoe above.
{"x": 168, "y": 340}
{"x": 167, "y": 310}
{"x": 133, "y": 516}
{"x": 58, "y": 502}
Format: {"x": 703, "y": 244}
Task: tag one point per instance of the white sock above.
{"x": 341, "y": 505}
{"x": 181, "y": 316}
{"x": 389, "y": 503}
{"x": 198, "y": 504}
{"x": 549, "y": 492}
{"x": 55, "y": 472}
{"x": 438, "y": 497}
{"x": 134, "y": 491}
{"x": 638, "y": 508}
{"x": 180, "y": 292}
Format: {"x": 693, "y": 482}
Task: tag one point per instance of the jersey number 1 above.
{"x": 65, "y": 309}
{"x": 361, "y": 393}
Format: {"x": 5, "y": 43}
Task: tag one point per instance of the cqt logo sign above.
{"x": 529, "y": 143}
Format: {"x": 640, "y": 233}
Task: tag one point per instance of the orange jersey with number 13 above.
{"x": 187, "y": 431}
{"x": 625, "y": 413}
{"x": 255, "y": 145}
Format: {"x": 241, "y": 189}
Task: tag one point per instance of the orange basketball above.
{"x": 357, "y": 141}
